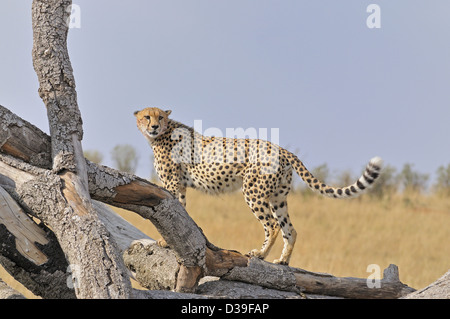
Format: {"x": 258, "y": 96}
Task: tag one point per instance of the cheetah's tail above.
{"x": 367, "y": 179}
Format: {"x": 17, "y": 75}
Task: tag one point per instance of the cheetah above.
{"x": 263, "y": 170}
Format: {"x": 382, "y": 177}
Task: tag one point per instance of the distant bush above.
{"x": 125, "y": 158}
{"x": 412, "y": 181}
{"x": 442, "y": 185}
{"x": 94, "y": 156}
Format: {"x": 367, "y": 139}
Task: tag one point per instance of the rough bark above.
{"x": 23, "y": 140}
{"x": 123, "y": 232}
{"x": 30, "y": 252}
{"x": 217, "y": 288}
{"x": 82, "y": 239}
{"x": 60, "y": 198}
{"x": 440, "y": 289}
{"x": 233, "y": 266}
{"x": 7, "y": 292}
{"x": 142, "y": 259}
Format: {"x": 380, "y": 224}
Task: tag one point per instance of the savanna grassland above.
{"x": 340, "y": 237}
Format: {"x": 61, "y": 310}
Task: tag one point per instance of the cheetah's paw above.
{"x": 255, "y": 253}
{"x": 280, "y": 262}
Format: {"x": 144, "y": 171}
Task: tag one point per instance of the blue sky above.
{"x": 338, "y": 91}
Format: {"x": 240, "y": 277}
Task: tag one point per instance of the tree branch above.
{"x": 155, "y": 269}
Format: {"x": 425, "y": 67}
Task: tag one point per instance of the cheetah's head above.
{"x": 152, "y": 122}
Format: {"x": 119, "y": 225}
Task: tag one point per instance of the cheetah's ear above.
{"x": 168, "y": 112}
{"x": 135, "y": 113}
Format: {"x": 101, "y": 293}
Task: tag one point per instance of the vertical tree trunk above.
{"x": 100, "y": 270}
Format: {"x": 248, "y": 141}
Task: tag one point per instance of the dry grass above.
{"x": 341, "y": 237}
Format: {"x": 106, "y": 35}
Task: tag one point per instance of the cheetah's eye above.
{"x": 147, "y": 117}
{"x": 160, "y": 117}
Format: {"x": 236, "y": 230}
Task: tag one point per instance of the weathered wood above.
{"x": 23, "y": 229}
{"x": 123, "y": 232}
{"x": 264, "y": 274}
{"x": 30, "y": 252}
{"x": 349, "y": 287}
{"x": 233, "y": 266}
{"x": 181, "y": 233}
{"x": 42, "y": 196}
{"x": 188, "y": 278}
{"x": 143, "y": 258}
{"x": 219, "y": 262}
{"x": 157, "y": 205}
{"x": 294, "y": 279}
{"x": 7, "y": 292}
{"x": 138, "y": 192}
{"x": 23, "y": 140}
{"x": 440, "y": 289}
{"x": 69, "y": 210}
{"x": 214, "y": 287}
{"x": 37, "y": 277}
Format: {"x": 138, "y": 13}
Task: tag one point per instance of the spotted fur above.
{"x": 184, "y": 158}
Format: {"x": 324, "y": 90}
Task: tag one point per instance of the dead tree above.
{"x": 48, "y": 178}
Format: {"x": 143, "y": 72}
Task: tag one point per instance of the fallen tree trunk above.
{"x": 155, "y": 268}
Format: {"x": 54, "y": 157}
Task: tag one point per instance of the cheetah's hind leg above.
{"x": 261, "y": 210}
{"x": 280, "y": 212}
